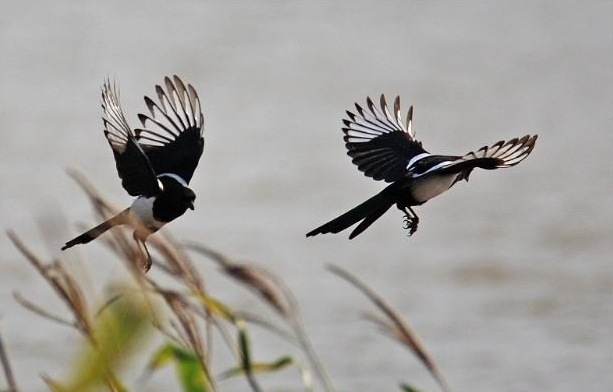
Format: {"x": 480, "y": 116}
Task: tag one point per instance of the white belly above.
{"x": 142, "y": 209}
{"x": 430, "y": 186}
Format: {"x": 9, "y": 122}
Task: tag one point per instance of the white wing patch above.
{"x": 434, "y": 168}
{"x": 417, "y": 158}
{"x": 510, "y": 153}
{"x": 178, "y": 178}
{"x": 116, "y": 128}
{"x": 368, "y": 124}
{"x": 178, "y": 110}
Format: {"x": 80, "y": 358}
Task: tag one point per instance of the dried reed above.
{"x": 395, "y": 326}
{"x": 190, "y": 317}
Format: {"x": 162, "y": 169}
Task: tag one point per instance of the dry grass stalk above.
{"x": 187, "y": 328}
{"x": 6, "y": 367}
{"x": 32, "y": 307}
{"x": 277, "y": 295}
{"x": 255, "y": 278}
{"x": 177, "y": 262}
{"x": 180, "y": 308}
{"x": 255, "y": 319}
{"x": 395, "y": 326}
{"x": 174, "y": 262}
{"x": 67, "y": 288}
{"x": 63, "y": 283}
{"x": 185, "y": 308}
{"x": 122, "y": 244}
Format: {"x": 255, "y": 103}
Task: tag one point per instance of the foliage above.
{"x": 188, "y": 318}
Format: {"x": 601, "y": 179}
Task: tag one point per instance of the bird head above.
{"x": 188, "y": 197}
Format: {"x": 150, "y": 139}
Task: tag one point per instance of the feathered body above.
{"x": 155, "y": 162}
{"x": 384, "y": 148}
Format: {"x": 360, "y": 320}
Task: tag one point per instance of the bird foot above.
{"x": 143, "y": 257}
{"x": 410, "y": 223}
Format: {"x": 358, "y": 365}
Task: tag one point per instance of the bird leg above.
{"x": 410, "y": 219}
{"x": 143, "y": 252}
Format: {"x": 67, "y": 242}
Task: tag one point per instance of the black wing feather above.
{"x": 175, "y": 144}
{"x": 379, "y": 144}
{"x": 499, "y": 155}
{"x": 137, "y": 175}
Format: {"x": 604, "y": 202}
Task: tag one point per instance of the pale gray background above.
{"x": 509, "y": 278}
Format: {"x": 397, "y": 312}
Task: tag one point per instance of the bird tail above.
{"x": 92, "y": 234}
{"x": 367, "y": 213}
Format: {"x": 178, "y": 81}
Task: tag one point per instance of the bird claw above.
{"x": 147, "y": 264}
{"x": 143, "y": 257}
{"x": 410, "y": 223}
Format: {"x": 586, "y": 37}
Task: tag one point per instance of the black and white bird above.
{"x": 155, "y": 162}
{"x": 386, "y": 149}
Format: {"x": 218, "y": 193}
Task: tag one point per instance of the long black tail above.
{"x": 367, "y": 212}
{"x": 91, "y": 234}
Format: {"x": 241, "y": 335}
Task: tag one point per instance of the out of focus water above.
{"x": 509, "y": 279}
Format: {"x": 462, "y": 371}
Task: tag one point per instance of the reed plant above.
{"x": 189, "y": 318}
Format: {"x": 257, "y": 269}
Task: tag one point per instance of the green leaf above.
{"x": 408, "y": 388}
{"x": 161, "y": 358}
{"x": 117, "y": 335}
{"x": 218, "y": 308}
{"x": 116, "y": 383}
{"x": 259, "y": 367}
{"x": 188, "y": 368}
{"x": 243, "y": 342}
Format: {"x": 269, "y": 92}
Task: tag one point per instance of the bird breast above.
{"x": 142, "y": 209}
{"x": 424, "y": 189}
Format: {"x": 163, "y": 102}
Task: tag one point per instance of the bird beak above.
{"x": 191, "y": 205}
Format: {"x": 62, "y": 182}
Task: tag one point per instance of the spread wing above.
{"x": 173, "y": 141}
{"x": 378, "y": 142}
{"x": 137, "y": 175}
{"x": 499, "y": 155}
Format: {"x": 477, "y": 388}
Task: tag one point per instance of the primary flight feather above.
{"x": 155, "y": 162}
{"x": 385, "y": 148}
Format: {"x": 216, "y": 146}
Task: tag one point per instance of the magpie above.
{"x": 386, "y": 149}
{"x": 156, "y": 162}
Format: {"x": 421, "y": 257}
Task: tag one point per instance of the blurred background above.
{"x": 509, "y": 279}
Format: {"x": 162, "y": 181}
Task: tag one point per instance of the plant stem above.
{"x": 7, "y": 368}
{"x": 304, "y": 341}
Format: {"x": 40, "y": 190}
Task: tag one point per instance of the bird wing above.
{"x": 133, "y": 166}
{"x": 174, "y": 141}
{"x": 379, "y": 144}
{"x": 499, "y": 155}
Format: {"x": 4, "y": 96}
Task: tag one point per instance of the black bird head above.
{"x": 188, "y": 197}
{"x": 175, "y": 196}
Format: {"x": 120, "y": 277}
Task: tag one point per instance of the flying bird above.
{"x": 155, "y": 162}
{"x": 386, "y": 149}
